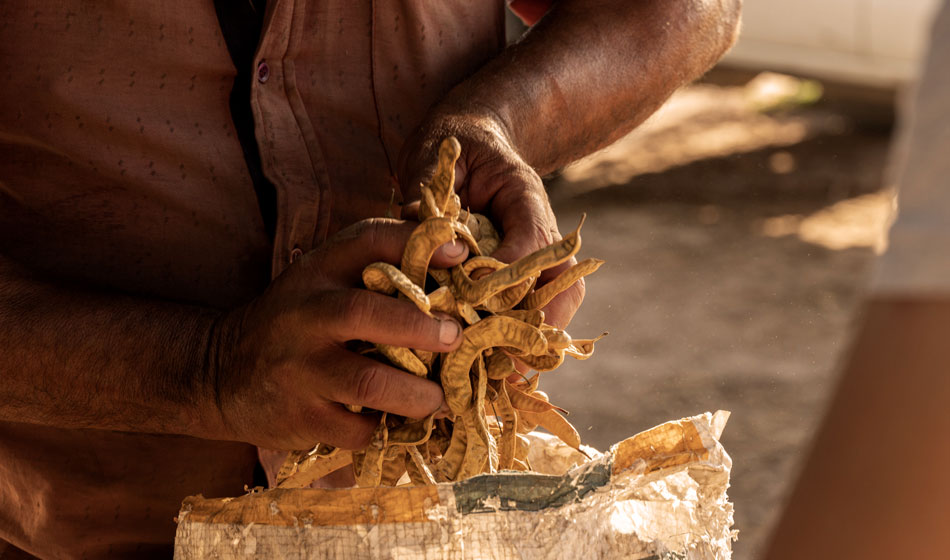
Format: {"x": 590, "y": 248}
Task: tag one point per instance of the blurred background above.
{"x": 739, "y": 225}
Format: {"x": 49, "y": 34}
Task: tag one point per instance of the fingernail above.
{"x": 453, "y": 249}
{"x": 449, "y": 330}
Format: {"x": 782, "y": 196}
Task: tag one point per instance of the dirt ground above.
{"x": 738, "y": 237}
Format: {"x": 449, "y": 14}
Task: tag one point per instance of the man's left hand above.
{"x": 491, "y": 178}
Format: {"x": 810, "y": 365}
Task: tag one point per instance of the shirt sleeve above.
{"x": 530, "y": 11}
{"x": 917, "y": 261}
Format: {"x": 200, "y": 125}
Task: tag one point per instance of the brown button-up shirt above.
{"x": 120, "y": 168}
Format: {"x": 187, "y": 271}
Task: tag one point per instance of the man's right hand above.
{"x": 281, "y": 370}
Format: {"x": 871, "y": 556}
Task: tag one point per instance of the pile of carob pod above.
{"x": 492, "y": 405}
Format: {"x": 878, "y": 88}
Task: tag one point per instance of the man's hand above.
{"x": 585, "y": 75}
{"x": 492, "y": 179}
{"x": 275, "y": 372}
{"x": 283, "y": 371}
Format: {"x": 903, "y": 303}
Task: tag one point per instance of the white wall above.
{"x": 872, "y": 42}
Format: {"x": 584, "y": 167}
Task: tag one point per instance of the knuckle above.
{"x": 414, "y": 323}
{"x": 370, "y": 385}
{"x": 356, "y": 310}
{"x": 378, "y": 231}
{"x": 372, "y": 233}
{"x": 578, "y": 291}
{"x": 364, "y": 232}
{"x": 542, "y": 231}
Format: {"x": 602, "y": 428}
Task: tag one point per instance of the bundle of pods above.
{"x": 492, "y": 405}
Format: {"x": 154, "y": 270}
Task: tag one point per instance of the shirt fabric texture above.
{"x": 121, "y": 169}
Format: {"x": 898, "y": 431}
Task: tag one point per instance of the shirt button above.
{"x": 263, "y": 71}
{"x": 295, "y": 254}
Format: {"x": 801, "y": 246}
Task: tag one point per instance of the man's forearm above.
{"x": 590, "y": 72}
{"x": 76, "y": 358}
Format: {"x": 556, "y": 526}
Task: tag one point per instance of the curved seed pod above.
{"x": 467, "y": 312}
{"x": 522, "y": 445}
{"x": 289, "y": 466}
{"x": 448, "y": 468}
{"x": 500, "y": 366}
{"x": 518, "y": 465}
{"x": 442, "y": 300}
{"x": 525, "y": 426}
{"x": 583, "y": 349}
{"x": 528, "y": 403}
{"x": 326, "y": 449}
{"x": 417, "y": 468}
{"x": 427, "y": 206}
{"x": 442, "y": 276}
{"x": 484, "y": 232}
{"x": 533, "y": 383}
{"x": 543, "y": 362}
{"x": 386, "y": 278}
{"x": 509, "y": 298}
{"x": 316, "y": 467}
{"x": 478, "y": 267}
{"x": 543, "y": 295}
{"x": 425, "y": 239}
{"x": 477, "y": 291}
{"x": 486, "y": 229}
{"x": 475, "y": 263}
{"x": 437, "y": 445}
{"x": 557, "y": 339}
{"x": 426, "y": 357}
{"x": 528, "y": 385}
{"x": 557, "y": 425}
{"x": 534, "y": 317}
{"x": 357, "y": 465}
{"x": 491, "y": 393}
{"x": 462, "y": 231}
{"x": 495, "y": 431}
{"x": 298, "y": 461}
{"x": 489, "y": 245}
{"x": 481, "y": 422}
{"x": 454, "y": 207}
{"x": 477, "y": 450}
{"x": 403, "y": 358}
{"x": 412, "y": 433}
{"x": 489, "y": 332}
{"x": 468, "y": 218}
{"x": 489, "y": 411}
{"x": 442, "y": 184}
{"x": 369, "y": 468}
{"x": 394, "y": 466}
{"x": 509, "y": 429}
{"x": 425, "y": 451}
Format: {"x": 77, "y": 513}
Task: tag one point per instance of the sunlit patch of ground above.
{"x": 854, "y": 222}
{"x": 739, "y": 228}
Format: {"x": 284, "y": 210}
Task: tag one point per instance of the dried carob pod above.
{"x": 491, "y": 403}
